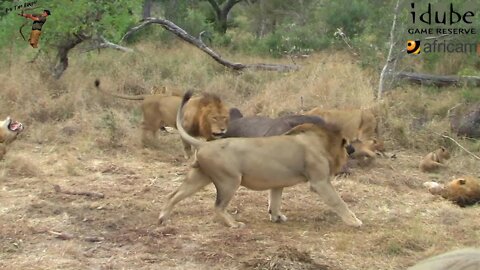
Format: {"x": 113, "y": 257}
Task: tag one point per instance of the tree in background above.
{"x": 221, "y": 13}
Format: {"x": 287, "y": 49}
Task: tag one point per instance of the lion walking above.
{"x": 307, "y": 153}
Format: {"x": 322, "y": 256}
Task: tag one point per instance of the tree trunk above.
{"x": 222, "y": 22}
{"x": 387, "y": 68}
{"x": 221, "y": 13}
{"x": 62, "y": 54}
{"x": 147, "y": 9}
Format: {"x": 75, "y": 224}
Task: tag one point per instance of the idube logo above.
{"x": 413, "y": 46}
{"x": 441, "y": 19}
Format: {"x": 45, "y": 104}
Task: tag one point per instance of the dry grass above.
{"x": 81, "y": 140}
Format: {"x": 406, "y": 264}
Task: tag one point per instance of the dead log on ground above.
{"x": 439, "y": 80}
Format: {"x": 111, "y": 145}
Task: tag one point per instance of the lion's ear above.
{"x": 462, "y": 181}
{"x": 443, "y": 148}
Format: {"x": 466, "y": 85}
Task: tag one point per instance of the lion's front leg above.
{"x": 274, "y": 204}
{"x": 324, "y": 188}
{"x": 318, "y": 177}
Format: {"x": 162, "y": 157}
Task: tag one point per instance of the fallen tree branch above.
{"x": 179, "y": 32}
{"x": 463, "y": 148}
{"x": 84, "y": 193}
{"x": 438, "y": 80}
{"x": 104, "y": 43}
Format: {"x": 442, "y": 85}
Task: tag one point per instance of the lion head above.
{"x": 442, "y": 154}
{"x": 336, "y": 144}
{"x": 9, "y": 130}
{"x": 463, "y": 191}
{"x": 213, "y": 117}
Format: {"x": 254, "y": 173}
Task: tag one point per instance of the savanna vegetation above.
{"x": 80, "y": 139}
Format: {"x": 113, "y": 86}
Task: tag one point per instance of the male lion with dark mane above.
{"x": 205, "y": 116}
{"x": 307, "y": 153}
{"x": 360, "y": 127}
{"x": 9, "y": 130}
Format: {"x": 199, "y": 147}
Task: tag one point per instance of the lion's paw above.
{"x": 353, "y": 221}
{"x": 162, "y": 219}
{"x": 278, "y": 218}
{"x": 237, "y": 225}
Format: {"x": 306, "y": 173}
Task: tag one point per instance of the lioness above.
{"x": 355, "y": 124}
{"x": 205, "y": 116}
{"x": 307, "y": 153}
{"x": 9, "y": 130}
{"x": 434, "y": 160}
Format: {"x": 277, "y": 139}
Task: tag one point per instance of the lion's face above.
{"x": 443, "y": 153}
{"x": 9, "y": 129}
{"x": 215, "y": 118}
{"x": 464, "y": 191}
{"x": 376, "y": 145}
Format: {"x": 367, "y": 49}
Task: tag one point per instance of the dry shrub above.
{"x": 286, "y": 258}
{"x": 326, "y": 80}
{"x": 417, "y": 116}
{"x": 21, "y": 166}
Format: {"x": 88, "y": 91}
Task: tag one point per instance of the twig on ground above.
{"x": 62, "y": 235}
{"x": 58, "y": 189}
{"x": 68, "y": 236}
{"x": 464, "y": 149}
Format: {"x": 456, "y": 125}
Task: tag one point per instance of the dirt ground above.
{"x": 44, "y": 229}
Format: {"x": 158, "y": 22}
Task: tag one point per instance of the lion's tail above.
{"x": 139, "y": 97}
{"x": 183, "y": 133}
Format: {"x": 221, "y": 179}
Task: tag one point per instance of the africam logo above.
{"x": 435, "y": 46}
{"x": 413, "y": 46}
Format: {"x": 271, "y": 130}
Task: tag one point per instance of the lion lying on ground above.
{"x": 205, "y": 116}
{"x": 434, "y": 160}
{"x": 463, "y": 191}
{"x": 9, "y": 130}
{"x": 307, "y": 153}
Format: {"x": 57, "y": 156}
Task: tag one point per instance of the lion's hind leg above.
{"x": 226, "y": 188}
{"x": 274, "y": 204}
{"x": 194, "y": 182}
